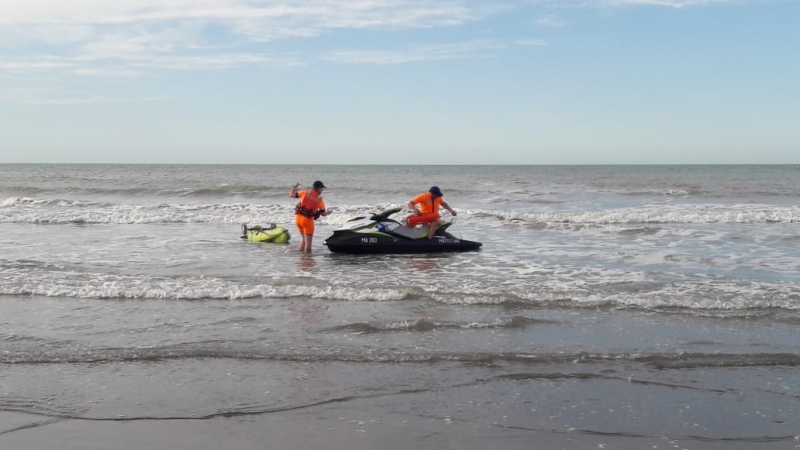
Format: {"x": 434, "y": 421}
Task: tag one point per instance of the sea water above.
{"x": 126, "y": 292}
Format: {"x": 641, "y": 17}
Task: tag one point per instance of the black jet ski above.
{"x": 380, "y": 234}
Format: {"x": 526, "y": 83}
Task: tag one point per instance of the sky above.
{"x": 400, "y": 81}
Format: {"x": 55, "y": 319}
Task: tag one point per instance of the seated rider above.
{"x": 428, "y": 210}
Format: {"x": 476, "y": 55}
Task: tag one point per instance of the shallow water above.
{"x": 599, "y": 293}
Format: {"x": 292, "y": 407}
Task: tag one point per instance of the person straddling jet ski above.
{"x": 428, "y": 210}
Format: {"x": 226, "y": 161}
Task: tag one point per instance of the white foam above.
{"x": 35, "y": 210}
{"x": 87, "y": 285}
{"x": 43, "y": 211}
{"x": 660, "y": 214}
{"x": 563, "y": 286}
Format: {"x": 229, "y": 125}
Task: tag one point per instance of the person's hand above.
{"x": 453, "y": 212}
{"x": 296, "y": 185}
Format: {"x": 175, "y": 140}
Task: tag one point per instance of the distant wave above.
{"x": 76, "y": 191}
{"x": 706, "y": 214}
{"x": 664, "y": 192}
{"x": 240, "y": 190}
{"x": 198, "y": 187}
{"x": 40, "y": 202}
{"x": 132, "y": 192}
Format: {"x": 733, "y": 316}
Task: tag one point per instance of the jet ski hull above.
{"x": 381, "y": 235}
{"x": 361, "y": 243}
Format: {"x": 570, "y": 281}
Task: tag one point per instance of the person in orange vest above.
{"x": 308, "y": 209}
{"x": 428, "y": 210}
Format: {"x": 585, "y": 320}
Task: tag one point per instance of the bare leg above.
{"x": 432, "y": 228}
{"x": 305, "y": 246}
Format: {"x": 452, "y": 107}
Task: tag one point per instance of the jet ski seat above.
{"x": 411, "y": 233}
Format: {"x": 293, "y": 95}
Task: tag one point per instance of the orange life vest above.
{"x": 428, "y": 204}
{"x": 310, "y": 202}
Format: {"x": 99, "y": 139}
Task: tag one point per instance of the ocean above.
{"x": 609, "y": 307}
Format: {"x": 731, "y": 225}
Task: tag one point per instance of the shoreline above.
{"x": 331, "y": 426}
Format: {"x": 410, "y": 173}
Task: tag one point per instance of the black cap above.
{"x": 436, "y": 191}
{"x": 319, "y": 184}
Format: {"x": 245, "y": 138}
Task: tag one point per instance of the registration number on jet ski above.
{"x": 369, "y": 240}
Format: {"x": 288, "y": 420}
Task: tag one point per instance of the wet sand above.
{"x": 326, "y": 427}
{"x": 561, "y": 408}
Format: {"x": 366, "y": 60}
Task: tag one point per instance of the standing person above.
{"x": 428, "y": 210}
{"x": 308, "y": 209}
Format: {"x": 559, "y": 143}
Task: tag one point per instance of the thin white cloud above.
{"x": 208, "y": 62}
{"x": 317, "y": 15}
{"x": 375, "y": 12}
{"x": 89, "y": 100}
{"x": 532, "y": 43}
{"x": 419, "y": 53}
{"x": 106, "y": 73}
{"x": 569, "y": 4}
{"x": 124, "y": 37}
{"x": 550, "y": 21}
{"x": 55, "y": 97}
{"x": 669, "y": 3}
{"x": 27, "y": 67}
{"x": 134, "y": 66}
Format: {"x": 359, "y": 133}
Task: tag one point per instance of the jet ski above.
{"x": 271, "y": 233}
{"x": 380, "y": 234}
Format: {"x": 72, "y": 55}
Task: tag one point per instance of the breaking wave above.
{"x": 715, "y": 298}
{"x": 425, "y": 324}
{"x": 63, "y": 211}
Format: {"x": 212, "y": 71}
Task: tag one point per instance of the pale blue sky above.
{"x": 400, "y": 81}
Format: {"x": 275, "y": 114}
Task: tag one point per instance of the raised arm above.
{"x": 293, "y": 192}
